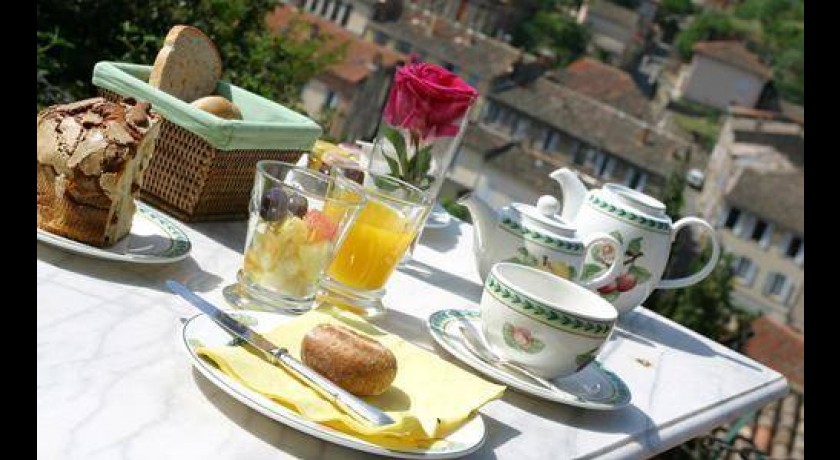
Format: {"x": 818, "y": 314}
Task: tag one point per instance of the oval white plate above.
{"x": 606, "y": 391}
{"x": 201, "y": 330}
{"x": 154, "y": 239}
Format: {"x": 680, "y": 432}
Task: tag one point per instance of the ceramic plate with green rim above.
{"x": 154, "y": 239}
{"x": 203, "y": 331}
{"x": 592, "y": 388}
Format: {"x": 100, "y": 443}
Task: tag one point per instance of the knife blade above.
{"x": 279, "y": 355}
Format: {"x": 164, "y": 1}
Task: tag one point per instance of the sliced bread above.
{"x": 188, "y": 65}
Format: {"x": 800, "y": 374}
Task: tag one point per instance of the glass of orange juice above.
{"x": 375, "y": 243}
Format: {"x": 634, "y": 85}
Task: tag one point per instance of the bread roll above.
{"x": 218, "y": 106}
{"x": 188, "y": 65}
{"x": 354, "y": 362}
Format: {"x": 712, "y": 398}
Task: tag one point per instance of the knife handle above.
{"x": 365, "y": 410}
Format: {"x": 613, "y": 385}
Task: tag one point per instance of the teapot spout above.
{"x": 573, "y": 192}
{"x": 484, "y": 220}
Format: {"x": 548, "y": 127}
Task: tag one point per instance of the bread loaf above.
{"x": 354, "y": 362}
{"x": 91, "y": 159}
{"x": 219, "y": 106}
{"x": 188, "y": 65}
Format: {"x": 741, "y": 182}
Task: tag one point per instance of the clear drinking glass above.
{"x": 297, "y": 217}
{"x": 375, "y": 243}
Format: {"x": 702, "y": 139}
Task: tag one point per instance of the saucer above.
{"x": 592, "y": 388}
{"x": 154, "y": 239}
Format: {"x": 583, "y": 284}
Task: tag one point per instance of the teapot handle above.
{"x": 710, "y": 265}
{"x": 614, "y": 269}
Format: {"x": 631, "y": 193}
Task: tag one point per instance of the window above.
{"x": 520, "y": 128}
{"x": 744, "y": 270}
{"x": 635, "y": 179}
{"x": 732, "y": 218}
{"x": 793, "y": 247}
{"x": 491, "y": 113}
{"x": 758, "y": 230}
{"x": 579, "y": 155}
{"x": 330, "y": 101}
{"x": 346, "y": 15}
{"x": 779, "y": 286}
{"x": 550, "y": 140}
{"x": 326, "y": 4}
{"x": 338, "y": 12}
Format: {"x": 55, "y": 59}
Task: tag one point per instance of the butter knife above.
{"x": 278, "y": 355}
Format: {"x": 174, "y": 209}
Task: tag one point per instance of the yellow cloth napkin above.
{"x": 429, "y": 398}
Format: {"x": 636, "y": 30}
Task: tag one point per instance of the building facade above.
{"x": 754, "y": 193}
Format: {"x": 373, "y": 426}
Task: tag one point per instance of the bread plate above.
{"x": 154, "y": 239}
{"x": 203, "y": 331}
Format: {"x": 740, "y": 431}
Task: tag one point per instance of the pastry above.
{"x": 91, "y": 158}
{"x": 354, "y": 362}
{"x": 188, "y": 65}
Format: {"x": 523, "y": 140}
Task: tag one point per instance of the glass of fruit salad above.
{"x": 297, "y": 217}
{"x": 375, "y": 242}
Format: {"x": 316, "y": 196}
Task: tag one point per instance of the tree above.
{"x": 73, "y": 36}
{"x": 672, "y": 193}
{"x": 553, "y": 31}
{"x": 706, "y": 307}
{"x": 711, "y": 25}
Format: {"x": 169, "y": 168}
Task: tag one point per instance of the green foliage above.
{"x": 675, "y": 8}
{"x": 704, "y": 129}
{"x": 774, "y": 28}
{"x": 711, "y": 25}
{"x": 707, "y": 306}
{"x": 672, "y": 193}
{"x": 274, "y": 66}
{"x": 458, "y": 210}
{"x": 554, "y": 31}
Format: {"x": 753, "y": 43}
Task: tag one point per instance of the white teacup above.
{"x": 548, "y": 324}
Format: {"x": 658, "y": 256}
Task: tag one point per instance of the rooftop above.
{"x": 595, "y": 123}
{"x": 615, "y": 13}
{"x": 735, "y": 54}
{"x": 775, "y": 195}
{"x": 778, "y": 347}
{"x": 472, "y": 53}
{"x": 361, "y": 54}
{"x": 606, "y": 83}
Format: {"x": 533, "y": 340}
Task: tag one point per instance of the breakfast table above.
{"x": 114, "y": 382}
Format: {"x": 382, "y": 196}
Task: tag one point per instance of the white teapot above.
{"x": 537, "y": 237}
{"x": 645, "y": 232}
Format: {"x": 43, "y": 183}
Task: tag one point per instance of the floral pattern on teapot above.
{"x": 633, "y": 275}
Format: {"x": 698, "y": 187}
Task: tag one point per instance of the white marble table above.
{"x": 112, "y": 382}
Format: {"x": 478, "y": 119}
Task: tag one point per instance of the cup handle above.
{"x": 710, "y": 265}
{"x": 614, "y": 269}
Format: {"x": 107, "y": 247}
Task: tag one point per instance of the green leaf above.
{"x": 615, "y": 234}
{"x": 611, "y": 296}
{"x": 424, "y": 161}
{"x": 641, "y": 274}
{"x": 382, "y": 182}
{"x": 399, "y": 145}
{"x": 635, "y": 246}
{"x": 589, "y": 271}
{"x": 392, "y": 165}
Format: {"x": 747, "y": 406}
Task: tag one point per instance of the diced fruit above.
{"x": 320, "y": 226}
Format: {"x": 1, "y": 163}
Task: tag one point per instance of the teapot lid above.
{"x": 545, "y": 216}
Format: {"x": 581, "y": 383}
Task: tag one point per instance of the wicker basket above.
{"x": 192, "y": 180}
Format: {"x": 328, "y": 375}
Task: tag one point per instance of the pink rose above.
{"x": 428, "y": 100}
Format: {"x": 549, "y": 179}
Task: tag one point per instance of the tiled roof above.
{"x": 733, "y": 53}
{"x": 776, "y": 196}
{"x": 472, "y": 54}
{"x": 615, "y": 13}
{"x": 778, "y": 347}
{"x": 595, "y": 123}
{"x": 358, "y": 61}
{"x": 606, "y": 83}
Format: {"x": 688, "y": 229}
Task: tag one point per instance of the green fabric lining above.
{"x": 266, "y": 125}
